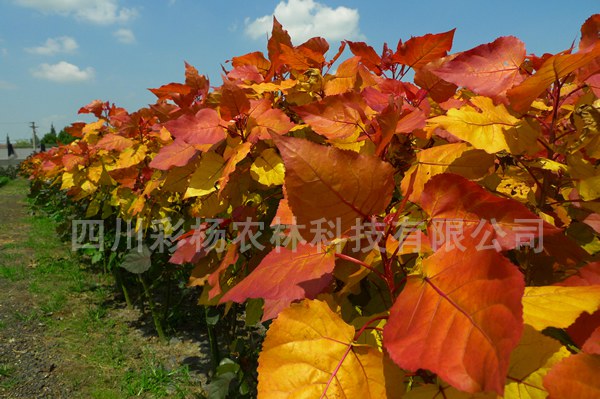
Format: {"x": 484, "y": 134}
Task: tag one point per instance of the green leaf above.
{"x": 136, "y": 261}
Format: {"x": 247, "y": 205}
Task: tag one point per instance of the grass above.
{"x": 6, "y": 380}
{"x": 102, "y": 356}
{"x": 156, "y": 380}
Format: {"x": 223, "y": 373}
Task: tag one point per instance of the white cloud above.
{"x": 63, "y": 44}
{"x": 63, "y": 72}
{"x": 125, "y": 36}
{"x": 101, "y": 12}
{"x": 304, "y": 19}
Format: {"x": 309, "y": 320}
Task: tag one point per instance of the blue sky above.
{"x": 58, "y": 55}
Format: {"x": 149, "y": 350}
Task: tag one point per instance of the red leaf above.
{"x": 264, "y": 120}
{"x": 335, "y": 117}
{"x": 587, "y": 275}
{"x": 190, "y": 247}
{"x": 278, "y": 36}
{"x": 454, "y": 202}
{"x": 369, "y": 57}
{"x": 171, "y": 90}
{"x": 284, "y": 276}
{"x": 592, "y": 345}
{"x": 230, "y": 257}
{"x": 202, "y": 128}
{"x": 196, "y": 81}
{"x": 178, "y": 153}
{"x": 489, "y": 69}
{"x": 246, "y": 73}
{"x": 438, "y": 89}
{"x": 421, "y": 50}
{"x": 460, "y": 319}
{"x": 96, "y": 107}
{"x": 589, "y": 32}
{"x": 574, "y": 377}
{"x": 233, "y": 101}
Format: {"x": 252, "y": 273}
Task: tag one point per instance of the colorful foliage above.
{"x": 408, "y": 239}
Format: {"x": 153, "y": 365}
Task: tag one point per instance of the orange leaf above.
{"x": 178, "y": 153}
{"x": 284, "y": 276}
{"x": 112, "y": 141}
{"x": 171, "y": 90}
{"x": 574, "y": 377}
{"x": 335, "y": 117}
{"x": 458, "y": 158}
{"x": 589, "y": 32}
{"x": 455, "y": 202}
{"x": 230, "y": 257}
{"x": 460, "y": 318}
{"x": 368, "y": 56}
{"x": 554, "y": 68}
{"x": 278, "y": 37}
{"x": 332, "y": 184}
{"x": 421, "y": 50}
{"x": 489, "y": 69}
{"x": 233, "y": 101}
{"x": 301, "y": 58}
{"x": 344, "y": 78}
{"x": 263, "y": 120}
{"x": 256, "y": 59}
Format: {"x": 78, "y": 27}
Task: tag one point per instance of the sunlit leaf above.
{"x": 309, "y": 352}
{"x": 460, "y": 318}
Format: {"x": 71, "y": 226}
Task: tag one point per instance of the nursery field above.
{"x": 348, "y": 222}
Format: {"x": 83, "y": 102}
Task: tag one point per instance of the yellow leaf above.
{"x": 558, "y": 306}
{"x": 204, "y": 178}
{"x": 67, "y": 181}
{"x": 261, "y": 88}
{"x": 309, "y": 353}
{"x": 491, "y": 128}
{"x": 131, "y": 156}
{"x": 530, "y": 362}
{"x": 459, "y": 158}
{"x": 589, "y": 188}
{"x": 90, "y": 131}
{"x": 268, "y": 168}
{"x": 94, "y": 172}
{"x": 588, "y": 185}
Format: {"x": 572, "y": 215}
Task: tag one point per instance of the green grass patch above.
{"x": 156, "y": 380}
{"x": 16, "y": 187}
{"x": 13, "y": 273}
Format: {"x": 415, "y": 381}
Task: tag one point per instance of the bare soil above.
{"x": 81, "y": 344}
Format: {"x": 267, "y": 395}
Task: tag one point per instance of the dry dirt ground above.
{"x": 63, "y": 334}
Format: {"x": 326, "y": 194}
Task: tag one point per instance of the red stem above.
{"x": 360, "y": 263}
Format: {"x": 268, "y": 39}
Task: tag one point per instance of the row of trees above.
{"x": 50, "y": 139}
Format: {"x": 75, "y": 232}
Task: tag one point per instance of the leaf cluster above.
{"x": 458, "y": 215}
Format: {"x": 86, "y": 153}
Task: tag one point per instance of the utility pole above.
{"x": 33, "y": 126}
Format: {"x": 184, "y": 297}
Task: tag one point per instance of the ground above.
{"x": 63, "y": 334}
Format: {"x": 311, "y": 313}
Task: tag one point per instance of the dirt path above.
{"x": 63, "y": 335}
{"x": 27, "y": 361}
